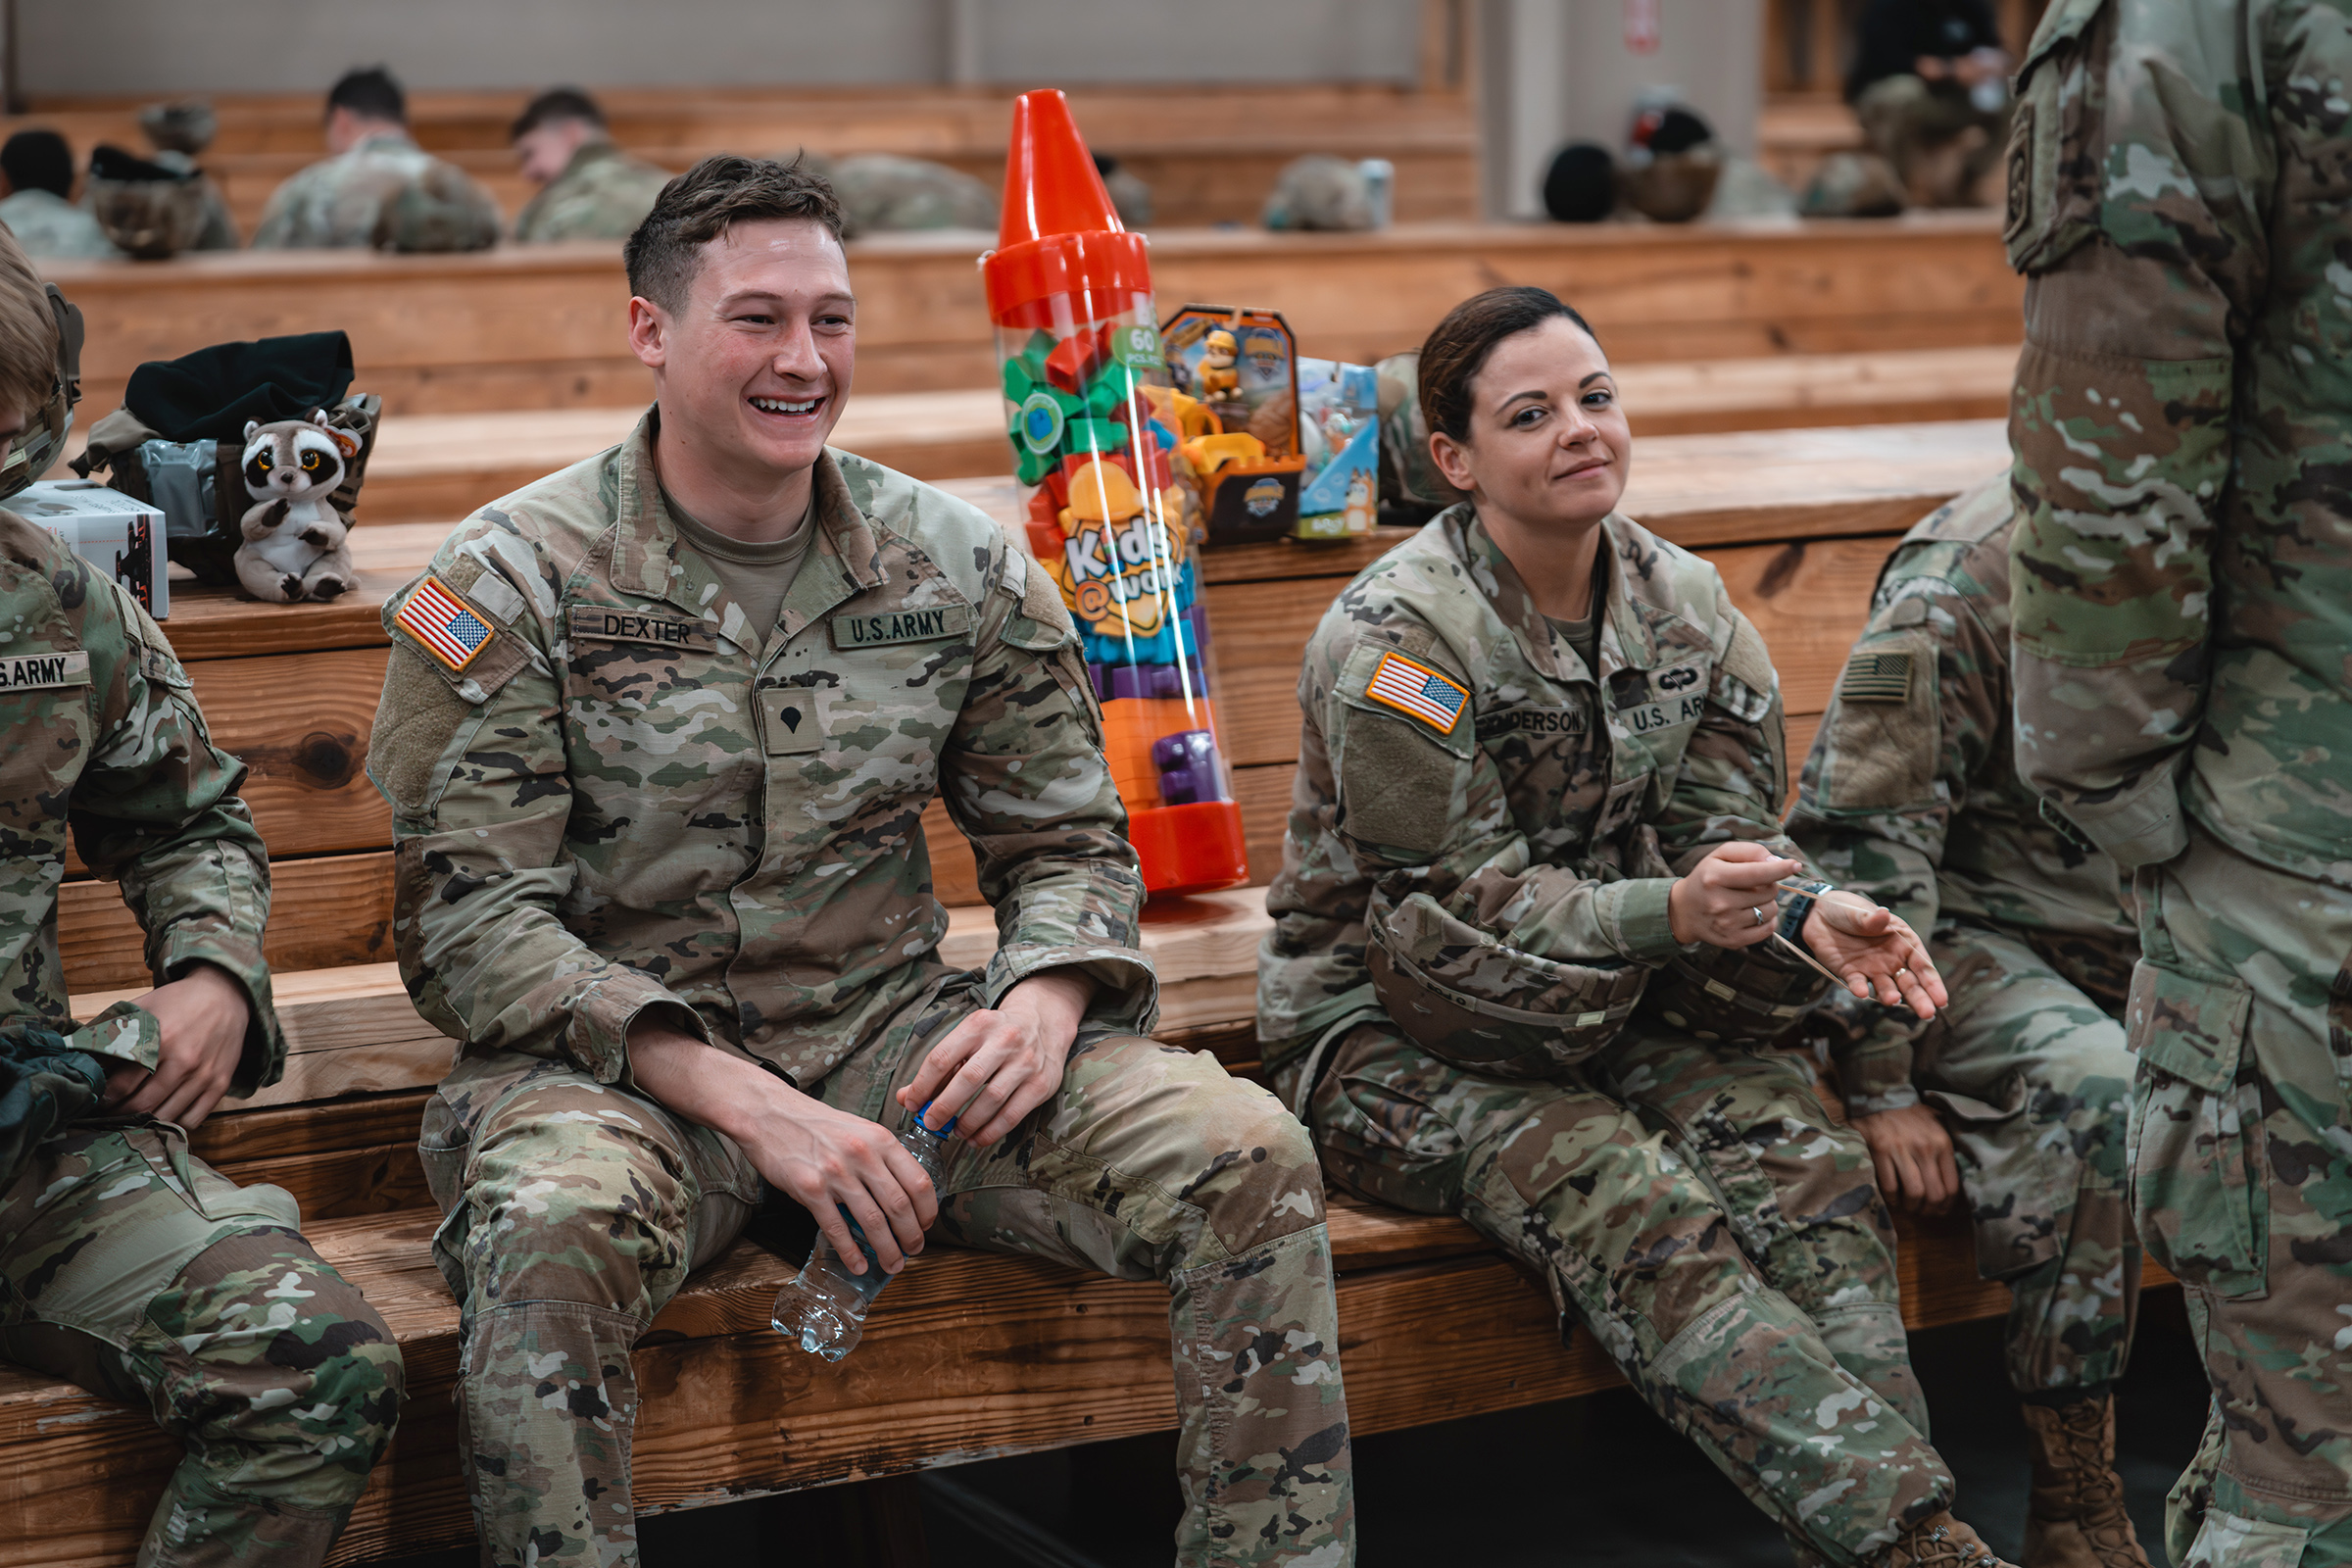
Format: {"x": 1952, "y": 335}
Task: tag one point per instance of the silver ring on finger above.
{"x": 1761, "y": 917}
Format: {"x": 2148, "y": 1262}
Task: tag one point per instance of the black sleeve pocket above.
{"x": 2199, "y": 1187}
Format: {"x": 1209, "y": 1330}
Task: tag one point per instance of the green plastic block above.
{"x": 1033, "y": 354}
{"x": 1096, "y": 435}
{"x": 1035, "y": 466}
{"x": 1017, "y": 380}
{"x": 1109, "y": 390}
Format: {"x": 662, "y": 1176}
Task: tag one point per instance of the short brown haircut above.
{"x": 28, "y": 332}
{"x": 556, "y": 103}
{"x": 1461, "y": 344}
{"x": 703, "y": 202}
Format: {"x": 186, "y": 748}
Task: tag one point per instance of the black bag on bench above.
{"x": 181, "y": 428}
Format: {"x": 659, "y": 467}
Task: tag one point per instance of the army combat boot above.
{"x": 1940, "y": 1541}
{"x": 2077, "y": 1517}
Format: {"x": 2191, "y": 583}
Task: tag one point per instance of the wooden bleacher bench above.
{"x": 538, "y": 327}
{"x": 442, "y": 465}
{"x": 971, "y": 1355}
{"x": 1209, "y": 153}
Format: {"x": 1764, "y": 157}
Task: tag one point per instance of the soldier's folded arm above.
{"x": 1024, "y": 779}
{"x": 1426, "y": 812}
{"x": 156, "y": 808}
{"x": 473, "y": 761}
{"x": 2120, "y": 426}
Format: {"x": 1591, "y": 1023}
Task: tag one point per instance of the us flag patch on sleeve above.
{"x": 1880, "y": 677}
{"x": 444, "y": 624}
{"x": 1416, "y": 690}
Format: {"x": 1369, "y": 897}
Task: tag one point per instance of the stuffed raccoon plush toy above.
{"x": 297, "y": 545}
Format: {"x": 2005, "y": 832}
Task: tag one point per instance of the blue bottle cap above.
{"x": 936, "y": 1132}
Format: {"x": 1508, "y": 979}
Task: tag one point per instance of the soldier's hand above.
{"x": 999, "y": 1064}
{"x": 1874, "y": 952}
{"x": 1728, "y": 899}
{"x": 1913, "y": 1154}
{"x": 204, "y": 1015}
{"x": 826, "y": 1160}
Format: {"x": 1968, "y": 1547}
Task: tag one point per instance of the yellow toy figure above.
{"x": 1219, "y": 380}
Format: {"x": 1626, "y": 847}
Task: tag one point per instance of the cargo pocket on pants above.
{"x": 2199, "y": 1195}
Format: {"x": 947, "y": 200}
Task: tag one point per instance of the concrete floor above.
{"x": 1594, "y": 1483}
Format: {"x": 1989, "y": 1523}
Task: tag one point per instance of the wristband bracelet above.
{"x": 1795, "y": 906}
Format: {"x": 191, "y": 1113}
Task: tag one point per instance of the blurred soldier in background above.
{"x": 1927, "y": 84}
{"x": 589, "y": 188}
{"x": 38, "y": 208}
{"x": 380, "y": 189}
{"x": 179, "y": 132}
{"x": 882, "y": 193}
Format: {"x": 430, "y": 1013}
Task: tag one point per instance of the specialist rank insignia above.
{"x": 1417, "y": 690}
{"x": 444, "y": 624}
{"x": 1875, "y": 678}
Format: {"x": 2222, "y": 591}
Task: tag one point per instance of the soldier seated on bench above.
{"x": 126, "y": 1264}
{"x": 658, "y": 807}
{"x": 1536, "y": 932}
{"x": 379, "y": 188}
{"x": 2014, "y": 1097}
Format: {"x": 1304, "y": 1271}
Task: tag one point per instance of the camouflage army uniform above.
{"x": 2182, "y": 605}
{"x": 602, "y": 193}
{"x": 1911, "y": 796}
{"x": 49, "y": 227}
{"x": 1688, "y": 1200}
{"x": 126, "y": 1264}
{"x": 882, "y": 193}
{"x": 387, "y": 193}
{"x": 630, "y": 799}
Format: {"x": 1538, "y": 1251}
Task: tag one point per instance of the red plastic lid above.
{"x": 1060, "y": 233}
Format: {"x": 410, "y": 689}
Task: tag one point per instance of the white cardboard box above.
{"x": 120, "y": 536}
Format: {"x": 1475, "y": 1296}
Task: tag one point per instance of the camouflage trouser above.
{"x": 576, "y": 1210}
{"x": 2033, "y": 1081}
{"x": 141, "y": 1274}
{"x": 2241, "y": 1184}
{"x": 1695, "y": 1208}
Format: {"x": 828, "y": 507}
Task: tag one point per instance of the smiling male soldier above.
{"x": 659, "y": 731}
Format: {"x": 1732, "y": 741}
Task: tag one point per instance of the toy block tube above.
{"x": 1078, "y": 339}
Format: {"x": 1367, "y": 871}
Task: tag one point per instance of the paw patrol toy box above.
{"x": 1236, "y": 408}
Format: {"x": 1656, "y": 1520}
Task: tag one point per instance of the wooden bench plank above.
{"x": 444, "y": 465}
{"x": 542, "y": 326}
{"x": 970, "y": 1356}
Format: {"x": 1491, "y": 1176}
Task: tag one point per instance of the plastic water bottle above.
{"x": 822, "y": 1308}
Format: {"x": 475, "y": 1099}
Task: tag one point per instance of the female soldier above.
{"x": 1536, "y": 927}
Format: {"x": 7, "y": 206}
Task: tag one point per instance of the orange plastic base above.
{"x": 1189, "y": 848}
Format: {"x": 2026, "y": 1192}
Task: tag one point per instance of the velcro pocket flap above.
{"x": 2190, "y": 1024}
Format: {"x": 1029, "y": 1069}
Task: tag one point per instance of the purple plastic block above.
{"x": 1188, "y": 768}
{"x": 1099, "y": 674}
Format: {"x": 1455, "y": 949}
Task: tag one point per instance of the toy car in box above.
{"x": 1234, "y": 412}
